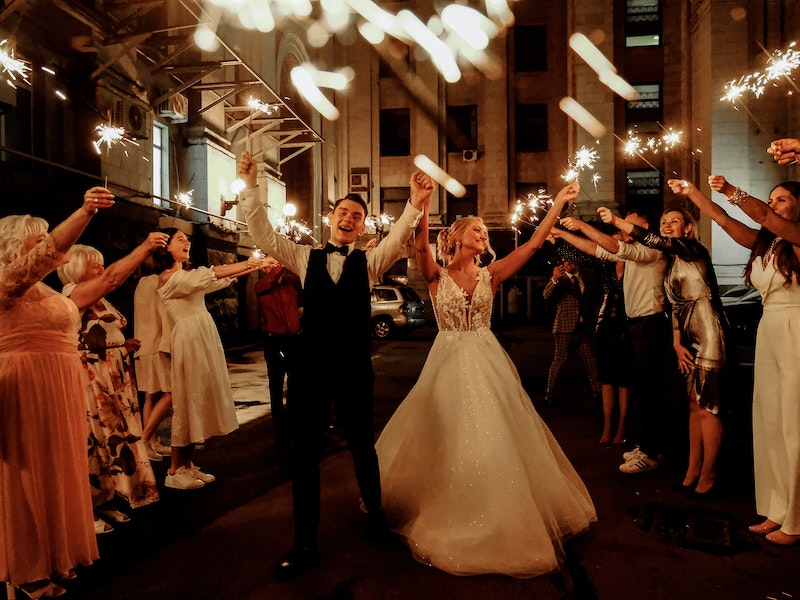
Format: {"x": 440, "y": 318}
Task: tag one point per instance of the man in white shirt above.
{"x": 648, "y": 332}
{"x": 335, "y": 368}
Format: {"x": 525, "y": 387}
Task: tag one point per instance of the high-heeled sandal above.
{"x": 604, "y": 440}
{"x": 38, "y": 590}
{"x": 764, "y": 527}
{"x": 782, "y": 539}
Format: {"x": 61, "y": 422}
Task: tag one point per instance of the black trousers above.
{"x": 280, "y": 352}
{"x": 346, "y": 388}
{"x": 650, "y": 341}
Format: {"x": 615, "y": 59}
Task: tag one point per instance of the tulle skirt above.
{"x": 472, "y": 478}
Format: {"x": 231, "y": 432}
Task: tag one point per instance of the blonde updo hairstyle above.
{"x": 14, "y": 230}
{"x": 78, "y": 257}
{"x": 449, "y": 239}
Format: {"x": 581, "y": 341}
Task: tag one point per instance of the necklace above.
{"x": 770, "y": 252}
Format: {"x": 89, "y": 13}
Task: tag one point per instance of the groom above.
{"x": 336, "y": 346}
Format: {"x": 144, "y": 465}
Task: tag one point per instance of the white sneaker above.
{"x": 183, "y": 479}
{"x": 630, "y": 455}
{"x": 152, "y": 454}
{"x": 161, "y": 449}
{"x": 639, "y": 464}
{"x": 204, "y": 477}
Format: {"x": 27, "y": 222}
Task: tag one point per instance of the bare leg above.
{"x": 695, "y": 443}
{"x": 711, "y": 432}
{"x": 622, "y": 394}
{"x": 181, "y": 457}
{"x": 147, "y": 407}
{"x": 157, "y": 414}
{"x": 608, "y": 411}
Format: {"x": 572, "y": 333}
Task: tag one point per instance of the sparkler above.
{"x": 258, "y": 253}
{"x": 110, "y": 135}
{"x": 379, "y": 224}
{"x": 531, "y": 210}
{"x": 583, "y": 159}
{"x": 267, "y": 109}
{"x": 14, "y": 67}
{"x": 633, "y": 146}
{"x": 292, "y": 229}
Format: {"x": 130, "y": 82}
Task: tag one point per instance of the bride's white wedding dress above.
{"x": 472, "y": 478}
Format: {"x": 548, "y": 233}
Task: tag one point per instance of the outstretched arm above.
{"x": 605, "y": 241}
{"x": 239, "y": 268}
{"x": 88, "y": 292}
{"x": 425, "y": 261}
{"x": 579, "y": 242}
{"x": 757, "y": 210}
{"x": 739, "y": 232}
{"x": 507, "y": 266}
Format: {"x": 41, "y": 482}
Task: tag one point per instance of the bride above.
{"x": 472, "y": 478}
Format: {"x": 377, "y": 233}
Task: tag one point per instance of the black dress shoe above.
{"x": 299, "y": 560}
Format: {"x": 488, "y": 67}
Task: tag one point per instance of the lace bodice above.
{"x": 456, "y": 311}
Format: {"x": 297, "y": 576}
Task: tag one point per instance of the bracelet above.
{"x": 738, "y": 197}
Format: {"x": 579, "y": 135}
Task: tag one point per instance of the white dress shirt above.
{"x": 295, "y": 256}
{"x": 643, "y": 282}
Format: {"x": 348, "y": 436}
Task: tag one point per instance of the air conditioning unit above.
{"x": 132, "y": 117}
{"x": 175, "y": 108}
{"x": 469, "y": 156}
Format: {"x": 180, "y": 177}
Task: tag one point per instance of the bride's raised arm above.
{"x": 508, "y": 265}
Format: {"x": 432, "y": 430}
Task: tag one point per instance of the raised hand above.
{"x": 156, "y": 239}
{"x": 606, "y": 216}
{"x": 568, "y": 193}
{"x": 718, "y": 183}
{"x": 96, "y": 198}
{"x": 559, "y": 271}
{"x": 247, "y": 170}
{"x": 571, "y": 223}
{"x": 784, "y": 151}
{"x": 422, "y": 187}
{"x": 681, "y": 187}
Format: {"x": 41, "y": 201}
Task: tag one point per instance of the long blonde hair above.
{"x": 14, "y": 230}
{"x": 449, "y": 239}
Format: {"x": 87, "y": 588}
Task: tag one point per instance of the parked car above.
{"x": 396, "y": 309}
{"x": 742, "y": 306}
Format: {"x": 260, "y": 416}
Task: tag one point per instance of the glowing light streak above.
{"x": 619, "y": 86}
{"x": 499, "y": 10}
{"x": 292, "y": 229}
{"x": 583, "y": 159}
{"x": 440, "y": 54}
{"x": 590, "y": 54}
{"x": 440, "y": 176}
{"x": 582, "y": 117}
{"x": 61, "y": 95}
{"x": 258, "y": 253}
{"x": 470, "y": 25}
{"x": 304, "y": 84}
{"x": 595, "y": 178}
{"x": 110, "y": 135}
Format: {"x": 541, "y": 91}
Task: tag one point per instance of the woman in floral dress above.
{"x": 118, "y": 462}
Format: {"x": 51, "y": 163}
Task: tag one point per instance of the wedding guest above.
{"x": 118, "y": 463}
{"x": 46, "y": 521}
{"x": 698, "y": 335}
{"x": 278, "y": 292}
{"x": 785, "y": 151}
{"x": 151, "y": 364}
{"x": 576, "y": 296}
{"x": 774, "y": 269}
{"x": 474, "y": 481}
{"x": 336, "y": 341}
{"x": 202, "y": 401}
{"x": 648, "y": 336}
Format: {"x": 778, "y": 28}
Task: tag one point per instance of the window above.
{"x": 462, "y": 207}
{"x": 643, "y": 190}
{"x": 160, "y": 164}
{"x": 531, "y": 127}
{"x": 395, "y": 132}
{"x": 530, "y": 48}
{"x": 462, "y": 128}
{"x": 642, "y": 23}
{"x": 393, "y": 201}
{"x": 645, "y": 114}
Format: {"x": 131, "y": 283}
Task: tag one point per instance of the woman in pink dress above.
{"x": 46, "y": 524}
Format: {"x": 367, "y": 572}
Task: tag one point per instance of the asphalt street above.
{"x": 651, "y": 541}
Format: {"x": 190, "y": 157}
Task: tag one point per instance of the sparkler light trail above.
{"x": 583, "y": 159}
{"x": 532, "y": 209}
{"x": 110, "y": 135}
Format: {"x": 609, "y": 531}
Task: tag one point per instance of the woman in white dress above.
{"x": 202, "y": 402}
{"x": 773, "y": 269}
{"x": 472, "y": 478}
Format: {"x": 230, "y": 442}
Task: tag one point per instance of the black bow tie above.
{"x": 329, "y": 248}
